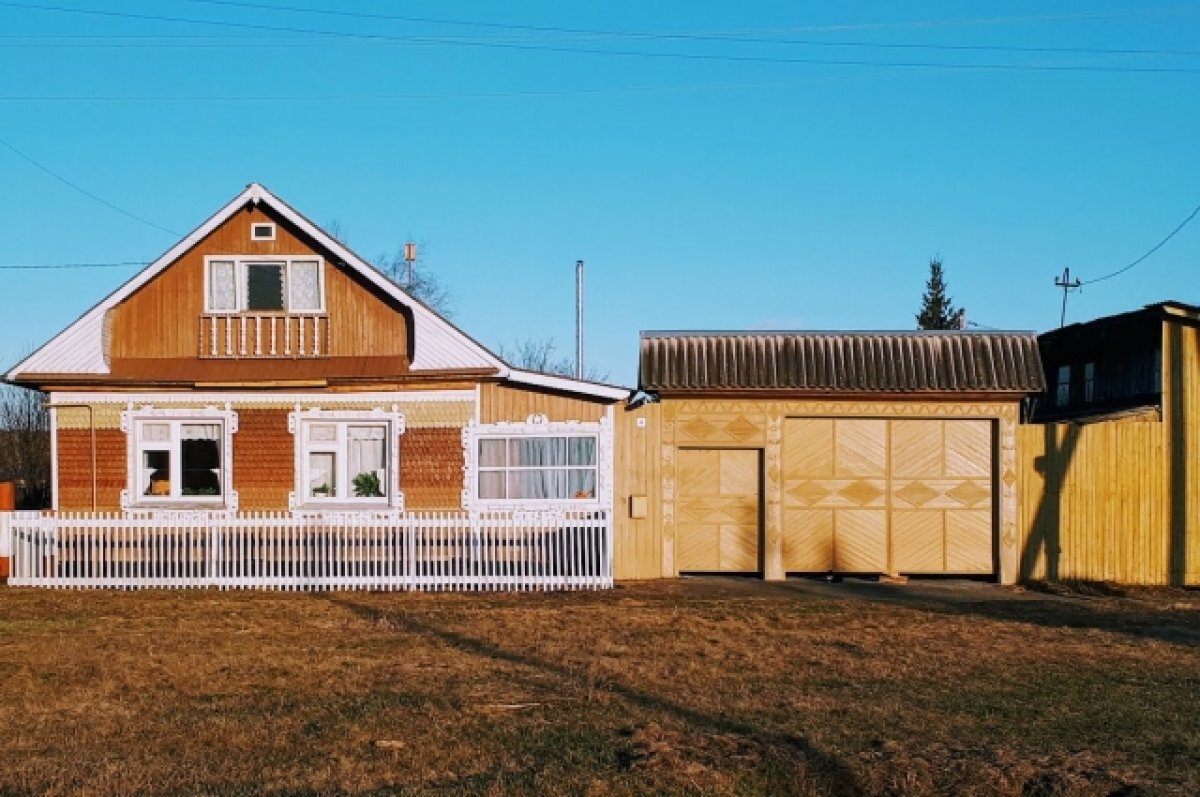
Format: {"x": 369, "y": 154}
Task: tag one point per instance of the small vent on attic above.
{"x": 262, "y": 232}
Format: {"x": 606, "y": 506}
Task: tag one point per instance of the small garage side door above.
{"x": 717, "y": 527}
{"x": 888, "y": 495}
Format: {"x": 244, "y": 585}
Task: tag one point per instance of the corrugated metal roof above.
{"x": 842, "y": 362}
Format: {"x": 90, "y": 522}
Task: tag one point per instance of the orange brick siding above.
{"x": 75, "y": 469}
{"x": 431, "y": 465}
{"x": 431, "y": 469}
{"x": 263, "y": 459}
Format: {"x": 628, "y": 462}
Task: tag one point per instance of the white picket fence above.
{"x": 320, "y": 551}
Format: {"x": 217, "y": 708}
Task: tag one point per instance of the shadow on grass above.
{"x": 840, "y": 780}
{"x": 1050, "y": 611}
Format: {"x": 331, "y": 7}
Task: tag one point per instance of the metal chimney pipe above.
{"x": 579, "y": 319}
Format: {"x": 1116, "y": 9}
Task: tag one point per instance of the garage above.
{"x": 872, "y": 495}
{"x": 851, "y": 452}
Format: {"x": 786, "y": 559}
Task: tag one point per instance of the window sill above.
{"x": 180, "y": 503}
{"x": 342, "y": 505}
{"x": 537, "y": 504}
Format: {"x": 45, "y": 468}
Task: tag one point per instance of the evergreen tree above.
{"x": 937, "y": 312}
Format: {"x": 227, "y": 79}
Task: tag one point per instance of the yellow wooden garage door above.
{"x": 899, "y": 496}
{"x": 717, "y": 525}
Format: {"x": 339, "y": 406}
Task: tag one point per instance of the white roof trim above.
{"x": 79, "y": 349}
{"x": 568, "y": 384}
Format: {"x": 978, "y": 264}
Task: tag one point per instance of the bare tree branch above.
{"x": 539, "y": 354}
{"x": 25, "y": 444}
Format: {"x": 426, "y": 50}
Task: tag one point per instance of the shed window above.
{"x": 1089, "y": 382}
{"x": 1063, "y": 397}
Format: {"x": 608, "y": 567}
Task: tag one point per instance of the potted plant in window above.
{"x": 321, "y": 491}
{"x": 366, "y": 485}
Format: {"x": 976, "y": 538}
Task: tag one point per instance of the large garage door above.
{"x": 876, "y": 495}
{"x": 717, "y": 525}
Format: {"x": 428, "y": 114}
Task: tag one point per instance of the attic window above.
{"x": 264, "y": 231}
{"x": 292, "y": 284}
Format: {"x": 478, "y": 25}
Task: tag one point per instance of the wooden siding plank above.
{"x": 1095, "y": 502}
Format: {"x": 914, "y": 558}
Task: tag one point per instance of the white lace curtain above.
{"x": 304, "y": 285}
{"x": 537, "y": 468}
{"x": 366, "y": 447}
{"x": 222, "y": 285}
{"x": 200, "y": 431}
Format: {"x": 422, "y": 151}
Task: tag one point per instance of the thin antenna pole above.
{"x": 1066, "y": 283}
{"x": 410, "y": 254}
{"x": 579, "y": 319}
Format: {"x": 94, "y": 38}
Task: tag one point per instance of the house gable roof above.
{"x": 81, "y": 349}
{"x": 842, "y": 362}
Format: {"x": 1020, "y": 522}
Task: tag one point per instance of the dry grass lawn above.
{"x": 689, "y": 687}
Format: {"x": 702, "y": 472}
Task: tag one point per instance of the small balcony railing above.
{"x": 263, "y": 335}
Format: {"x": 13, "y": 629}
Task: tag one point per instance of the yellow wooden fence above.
{"x": 1097, "y": 503}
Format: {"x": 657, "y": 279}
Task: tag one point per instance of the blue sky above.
{"x": 717, "y": 165}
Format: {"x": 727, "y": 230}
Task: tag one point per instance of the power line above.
{"x": 1152, "y": 250}
{"x": 709, "y": 57}
{"x": 55, "y": 266}
{"x": 84, "y": 191}
{"x": 651, "y": 34}
{"x": 690, "y": 36}
{"x": 160, "y": 42}
{"x": 700, "y": 86}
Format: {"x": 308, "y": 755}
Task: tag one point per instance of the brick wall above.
{"x": 75, "y": 469}
{"x": 431, "y": 468}
{"x": 263, "y": 459}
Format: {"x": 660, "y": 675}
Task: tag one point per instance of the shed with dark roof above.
{"x": 850, "y": 452}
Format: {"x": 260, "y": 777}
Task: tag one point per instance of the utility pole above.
{"x": 1067, "y": 284}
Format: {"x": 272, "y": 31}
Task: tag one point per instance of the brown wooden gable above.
{"x": 162, "y": 333}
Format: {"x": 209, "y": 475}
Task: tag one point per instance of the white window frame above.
{"x": 299, "y": 423}
{"x": 132, "y": 420}
{"x": 241, "y": 264}
{"x": 538, "y": 426}
{"x": 255, "y": 226}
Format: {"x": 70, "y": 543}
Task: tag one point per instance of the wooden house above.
{"x": 1111, "y": 366}
{"x": 1109, "y": 469}
{"x": 806, "y": 452}
{"x": 261, "y": 365}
